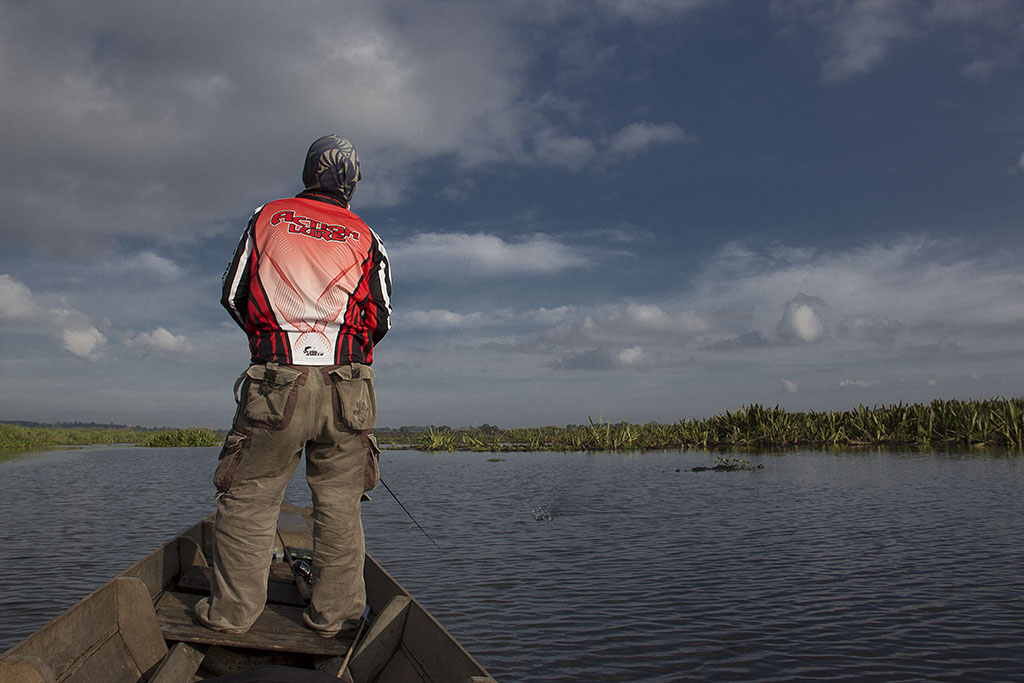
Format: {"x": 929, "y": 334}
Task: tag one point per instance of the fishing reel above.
{"x": 301, "y": 569}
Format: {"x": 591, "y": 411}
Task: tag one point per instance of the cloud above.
{"x": 154, "y": 264}
{"x": 789, "y": 386}
{"x": 567, "y": 151}
{"x": 15, "y": 299}
{"x": 160, "y": 341}
{"x": 441, "y": 319}
{"x": 77, "y": 335}
{"x": 858, "y": 35}
{"x": 801, "y": 323}
{"x": 645, "y": 11}
{"x": 909, "y": 303}
{"x": 143, "y": 138}
{"x": 883, "y": 330}
{"x": 482, "y": 255}
{"x": 855, "y": 384}
{"x": 634, "y": 355}
{"x": 146, "y": 140}
{"x": 636, "y": 137}
{"x": 587, "y": 359}
{"x": 83, "y": 341}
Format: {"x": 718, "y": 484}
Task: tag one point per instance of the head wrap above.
{"x": 332, "y": 166}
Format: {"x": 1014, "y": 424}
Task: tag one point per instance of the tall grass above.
{"x": 177, "y": 438}
{"x": 15, "y": 436}
{"x": 992, "y": 422}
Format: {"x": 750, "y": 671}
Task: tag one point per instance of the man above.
{"x": 310, "y": 284}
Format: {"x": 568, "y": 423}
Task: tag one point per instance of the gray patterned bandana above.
{"x": 332, "y": 166}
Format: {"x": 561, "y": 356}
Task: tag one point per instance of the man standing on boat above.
{"x": 310, "y": 284}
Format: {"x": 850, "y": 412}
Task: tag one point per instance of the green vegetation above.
{"x": 729, "y": 465}
{"x": 991, "y": 422}
{"x": 184, "y": 437}
{"x": 987, "y": 422}
{"x": 15, "y": 436}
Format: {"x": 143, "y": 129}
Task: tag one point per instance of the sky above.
{"x": 635, "y": 210}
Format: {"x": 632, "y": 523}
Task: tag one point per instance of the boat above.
{"x": 140, "y": 627}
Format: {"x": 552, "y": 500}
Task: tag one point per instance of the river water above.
{"x": 609, "y": 567}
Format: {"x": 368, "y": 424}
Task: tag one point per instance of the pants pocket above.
{"x": 236, "y": 445}
{"x": 371, "y": 472}
{"x": 355, "y": 405}
{"x": 269, "y": 394}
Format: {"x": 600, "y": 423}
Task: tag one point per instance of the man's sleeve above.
{"x": 378, "y": 306}
{"x": 235, "y": 282}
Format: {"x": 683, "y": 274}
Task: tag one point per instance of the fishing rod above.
{"x": 300, "y": 570}
{"x": 409, "y": 513}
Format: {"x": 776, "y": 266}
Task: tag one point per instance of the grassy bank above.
{"x": 994, "y": 422}
{"x": 14, "y": 436}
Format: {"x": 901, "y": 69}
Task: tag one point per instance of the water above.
{"x": 600, "y": 567}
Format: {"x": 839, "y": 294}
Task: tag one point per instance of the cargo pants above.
{"x": 328, "y": 411}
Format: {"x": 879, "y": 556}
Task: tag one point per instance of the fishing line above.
{"x": 409, "y": 513}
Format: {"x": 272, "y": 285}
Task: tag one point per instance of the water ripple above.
{"x": 570, "y": 567}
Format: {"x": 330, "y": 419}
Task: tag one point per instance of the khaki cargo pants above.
{"x": 282, "y": 409}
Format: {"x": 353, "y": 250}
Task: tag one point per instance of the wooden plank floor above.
{"x": 280, "y": 627}
{"x": 280, "y": 589}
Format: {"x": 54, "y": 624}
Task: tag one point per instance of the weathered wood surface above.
{"x": 425, "y": 642}
{"x": 106, "y": 637}
{"x": 180, "y": 664}
{"x": 381, "y": 641}
{"x": 280, "y": 588}
{"x": 279, "y": 628}
{"x": 110, "y": 637}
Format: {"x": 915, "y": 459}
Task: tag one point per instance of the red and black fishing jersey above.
{"x": 310, "y": 283}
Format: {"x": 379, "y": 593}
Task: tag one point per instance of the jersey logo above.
{"x": 315, "y": 229}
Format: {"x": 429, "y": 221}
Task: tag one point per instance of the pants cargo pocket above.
{"x": 236, "y": 445}
{"x": 269, "y": 394}
{"x": 355, "y": 406}
{"x": 371, "y": 472}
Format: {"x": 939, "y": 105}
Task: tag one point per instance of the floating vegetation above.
{"x": 989, "y": 422}
{"x": 729, "y": 465}
{"x": 542, "y": 513}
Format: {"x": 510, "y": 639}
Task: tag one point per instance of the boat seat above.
{"x": 110, "y": 637}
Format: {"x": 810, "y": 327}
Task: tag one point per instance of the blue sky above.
{"x": 641, "y": 210}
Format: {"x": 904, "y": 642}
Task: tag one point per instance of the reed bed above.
{"x": 987, "y": 422}
{"x": 15, "y": 436}
{"x": 178, "y": 438}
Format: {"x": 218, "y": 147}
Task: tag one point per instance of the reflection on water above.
{"x": 610, "y": 567}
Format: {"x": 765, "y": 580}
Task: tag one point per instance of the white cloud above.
{"x": 864, "y": 32}
{"x": 441, "y": 319}
{"x": 855, "y": 384}
{"x": 83, "y": 341}
{"x": 568, "y": 151}
{"x": 789, "y": 386}
{"x": 151, "y": 263}
{"x": 481, "y": 255}
{"x": 77, "y": 335}
{"x": 636, "y": 137}
{"x": 160, "y": 341}
{"x": 15, "y": 299}
{"x": 882, "y": 330}
{"x": 644, "y": 11}
{"x": 912, "y": 302}
{"x": 632, "y": 356}
{"x": 858, "y": 35}
{"x": 978, "y": 68}
{"x": 800, "y": 321}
